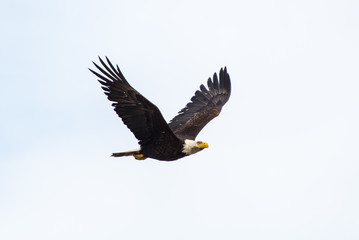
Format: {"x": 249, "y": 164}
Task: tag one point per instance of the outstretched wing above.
{"x": 141, "y": 116}
{"x": 204, "y": 106}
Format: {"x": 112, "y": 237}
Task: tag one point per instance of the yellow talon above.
{"x": 139, "y": 156}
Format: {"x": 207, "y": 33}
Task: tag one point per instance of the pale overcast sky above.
{"x": 283, "y": 160}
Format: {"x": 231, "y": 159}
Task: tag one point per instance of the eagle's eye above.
{"x": 199, "y": 142}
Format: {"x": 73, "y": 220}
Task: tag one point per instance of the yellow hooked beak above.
{"x": 202, "y": 145}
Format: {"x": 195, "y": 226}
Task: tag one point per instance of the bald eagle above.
{"x": 157, "y": 139}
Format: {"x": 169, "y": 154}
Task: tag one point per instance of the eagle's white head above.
{"x": 190, "y": 146}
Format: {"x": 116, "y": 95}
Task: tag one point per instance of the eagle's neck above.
{"x": 190, "y": 147}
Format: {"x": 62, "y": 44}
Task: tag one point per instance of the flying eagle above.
{"x": 157, "y": 139}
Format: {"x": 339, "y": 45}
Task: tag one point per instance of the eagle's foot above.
{"x": 139, "y": 156}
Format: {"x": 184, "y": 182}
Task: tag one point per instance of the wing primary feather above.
{"x": 203, "y": 89}
{"x": 105, "y": 88}
{"x": 105, "y": 73}
{"x": 112, "y": 67}
{"x": 109, "y": 70}
{"x": 104, "y": 83}
{"x": 227, "y": 81}
{"x": 222, "y": 79}
{"x": 215, "y": 82}
{"x": 99, "y": 75}
{"x": 210, "y": 84}
{"x": 118, "y": 71}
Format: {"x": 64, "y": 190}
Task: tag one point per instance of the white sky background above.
{"x": 283, "y": 156}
